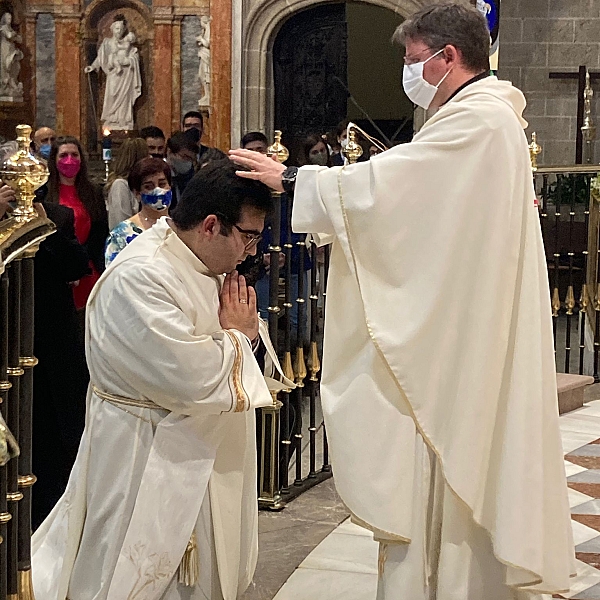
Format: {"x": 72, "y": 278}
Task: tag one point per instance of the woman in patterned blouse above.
{"x": 150, "y": 181}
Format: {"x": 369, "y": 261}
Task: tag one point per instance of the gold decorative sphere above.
{"x": 24, "y": 173}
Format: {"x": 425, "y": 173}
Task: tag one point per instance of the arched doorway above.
{"x": 334, "y": 62}
{"x": 258, "y": 30}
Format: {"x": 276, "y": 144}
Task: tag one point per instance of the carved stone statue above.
{"x": 11, "y": 90}
{"x": 203, "y": 41}
{"x": 120, "y": 61}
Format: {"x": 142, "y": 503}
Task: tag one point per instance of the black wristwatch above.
{"x": 288, "y": 179}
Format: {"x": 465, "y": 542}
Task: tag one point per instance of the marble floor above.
{"x": 344, "y": 562}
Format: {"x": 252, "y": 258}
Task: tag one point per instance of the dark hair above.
{"x": 341, "y": 127}
{"x": 254, "y": 136}
{"x": 179, "y": 141}
{"x": 152, "y": 132}
{"x": 209, "y": 156}
{"x": 308, "y": 142}
{"x": 450, "y": 23}
{"x": 217, "y": 190}
{"x": 195, "y": 114}
{"x": 144, "y": 168}
{"x": 87, "y": 192}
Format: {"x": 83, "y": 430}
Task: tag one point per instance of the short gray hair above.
{"x": 453, "y": 23}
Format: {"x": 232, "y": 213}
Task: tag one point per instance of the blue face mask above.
{"x": 45, "y": 151}
{"x": 158, "y": 199}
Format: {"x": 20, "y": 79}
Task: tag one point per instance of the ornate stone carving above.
{"x": 119, "y": 60}
{"x": 204, "y": 71}
{"x": 11, "y": 89}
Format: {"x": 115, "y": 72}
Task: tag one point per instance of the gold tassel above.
{"x": 189, "y": 568}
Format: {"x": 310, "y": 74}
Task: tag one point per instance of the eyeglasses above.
{"x": 411, "y": 60}
{"x": 252, "y": 237}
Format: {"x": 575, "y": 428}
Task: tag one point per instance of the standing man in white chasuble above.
{"x": 438, "y": 387}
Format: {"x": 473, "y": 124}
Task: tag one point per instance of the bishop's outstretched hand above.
{"x": 262, "y": 167}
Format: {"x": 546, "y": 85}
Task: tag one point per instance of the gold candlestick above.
{"x": 24, "y": 173}
{"x": 353, "y": 150}
{"x": 278, "y": 149}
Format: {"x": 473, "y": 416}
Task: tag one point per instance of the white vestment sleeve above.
{"x": 155, "y": 349}
{"x": 309, "y": 214}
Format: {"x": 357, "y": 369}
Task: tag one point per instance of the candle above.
{"x": 106, "y": 146}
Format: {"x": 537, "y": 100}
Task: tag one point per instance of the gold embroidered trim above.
{"x": 119, "y": 401}
{"x": 242, "y": 401}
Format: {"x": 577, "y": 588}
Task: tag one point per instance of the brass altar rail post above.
{"x": 556, "y": 304}
{"x": 326, "y": 465}
{"x": 570, "y": 297}
{"x": 20, "y": 236}
{"x": 315, "y": 364}
{"x": 300, "y": 363}
{"x": 583, "y": 300}
{"x": 288, "y": 370}
{"x": 269, "y": 496}
{"x": 26, "y": 478}
{"x": 12, "y": 409}
{"x": 5, "y": 386}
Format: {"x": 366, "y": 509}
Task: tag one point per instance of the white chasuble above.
{"x": 438, "y": 386}
{"x": 147, "y": 478}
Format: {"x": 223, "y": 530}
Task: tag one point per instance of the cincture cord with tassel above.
{"x": 189, "y": 567}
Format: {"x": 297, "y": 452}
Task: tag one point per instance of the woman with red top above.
{"x": 69, "y": 185}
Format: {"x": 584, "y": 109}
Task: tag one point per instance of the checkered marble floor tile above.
{"x": 344, "y": 565}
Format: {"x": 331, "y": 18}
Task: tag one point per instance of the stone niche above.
{"x": 12, "y": 113}
{"x": 96, "y": 26}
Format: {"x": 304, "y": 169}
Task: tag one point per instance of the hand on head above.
{"x": 238, "y": 306}
{"x": 264, "y": 168}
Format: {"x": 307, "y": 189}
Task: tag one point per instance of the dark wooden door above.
{"x": 309, "y": 60}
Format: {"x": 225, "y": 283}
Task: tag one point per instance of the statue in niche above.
{"x": 120, "y": 61}
{"x": 203, "y": 41}
{"x": 11, "y": 90}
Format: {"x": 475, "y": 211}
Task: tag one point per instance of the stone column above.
{"x": 219, "y": 125}
{"x": 69, "y": 74}
{"x": 176, "y": 76}
{"x": 28, "y": 73}
{"x": 162, "y": 64}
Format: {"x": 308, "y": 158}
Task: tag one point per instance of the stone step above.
{"x": 570, "y": 391}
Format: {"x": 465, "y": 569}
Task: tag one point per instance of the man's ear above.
{"x": 452, "y": 54}
{"x": 210, "y": 226}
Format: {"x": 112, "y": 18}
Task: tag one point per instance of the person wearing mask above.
{"x": 150, "y": 182}
{"x": 60, "y": 379}
{"x": 182, "y": 157}
{"x": 69, "y": 185}
{"x": 315, "y": 151}
{"x": 121, "y": 203}
{"x": 193, "y": 120}
{"x": 43, "y": 139}
{"x": 156, "y": 140}
{"x": 256, "y": 141}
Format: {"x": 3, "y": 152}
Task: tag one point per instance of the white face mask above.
{"x": 416, "y": 87}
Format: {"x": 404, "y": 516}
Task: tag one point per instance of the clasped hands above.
{"x": 237, "y": 306}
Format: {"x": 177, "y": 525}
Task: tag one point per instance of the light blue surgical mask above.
{"x": 45, "y": 151}
{"x": 158, "y": 199}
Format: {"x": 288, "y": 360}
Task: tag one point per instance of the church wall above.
{"x": 540, "y": 36}
{"x": 45, "y": 71}
{"x": 190, "y": 30}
